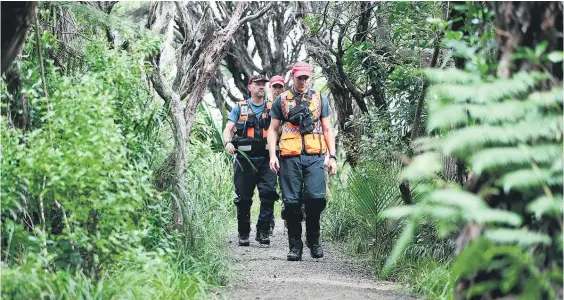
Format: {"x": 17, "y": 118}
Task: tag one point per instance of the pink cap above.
{"x": 301, "y": 68}
{"x": 277, "y": 79}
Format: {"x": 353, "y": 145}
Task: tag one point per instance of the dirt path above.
{"x": 263, "y": 273}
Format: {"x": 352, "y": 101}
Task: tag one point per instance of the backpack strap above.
{"x": 244, "y": 111}
{"x": 287, "y": 95}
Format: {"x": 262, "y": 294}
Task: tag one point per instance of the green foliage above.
{"x": 427, "y": 277}
{"x": 380, "y": 139}
{"x": 147, "y": 275}
{"x": 81, "y": 217}
{"x": 78, "y": 160}
{"x": 409, "y": 23}
{"x": 477, "y": 50}
{"x": 515, "y": 149}
{"x": 355, "y": 216}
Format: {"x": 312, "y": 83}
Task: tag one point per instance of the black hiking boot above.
{"x": 262, "y": 237}
{"x": 312, "y": 243}
{"x": 295, "y": 254}
{"x": 316, "y": 251}
{"x": 244, "y": 240}
{"x": 296, "y": 247}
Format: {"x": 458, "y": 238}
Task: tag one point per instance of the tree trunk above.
{"x": 421, "y": 100}
{"x": 180, "y": 151}
{"x": 214, "y": 48}
{"x": 16, "y": 19}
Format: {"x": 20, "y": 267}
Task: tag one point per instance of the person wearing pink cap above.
{"x": 276, "y": 86}
{"x": 305, "y": 140}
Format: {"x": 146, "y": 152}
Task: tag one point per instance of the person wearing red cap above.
{"x": 305, "y": 139}
{"x": 250, "y": 120}
{"x": 276, "y": 86}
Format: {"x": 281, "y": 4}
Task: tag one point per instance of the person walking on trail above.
{"x": 277, "y": 85}
{"x": 306, "y": 136}
{"x": 250, "y": 120}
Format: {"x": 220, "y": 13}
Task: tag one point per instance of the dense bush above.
{"x": 81, "y": 217}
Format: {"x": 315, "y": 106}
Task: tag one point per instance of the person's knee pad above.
{"x": 292, "y": 212}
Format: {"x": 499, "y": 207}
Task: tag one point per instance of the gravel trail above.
{"x": 262, "y": 272}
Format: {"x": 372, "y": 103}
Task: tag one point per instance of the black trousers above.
{"x": 302, "y": 181}
{"x": 251, "y": 173}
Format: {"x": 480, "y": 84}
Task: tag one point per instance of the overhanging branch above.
{"x": 255, "y": 16}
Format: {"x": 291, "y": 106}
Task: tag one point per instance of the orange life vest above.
{"x": 292, "y": 142}
{"x": 252, "y": 130}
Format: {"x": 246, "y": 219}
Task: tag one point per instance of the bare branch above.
{"x": 255, "y": 16}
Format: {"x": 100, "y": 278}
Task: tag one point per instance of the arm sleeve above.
{"x": 234, "y": 115}
{"x": 276, "y": 109}
{"x": 326, "y": 108}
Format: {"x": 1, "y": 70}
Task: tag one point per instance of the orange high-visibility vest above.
{"x": 249, "y": 126}
{"x": 292, "y": 142}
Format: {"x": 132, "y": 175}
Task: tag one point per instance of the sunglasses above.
{"x": 278, "y": 86}
{"x": 304, "y": 77}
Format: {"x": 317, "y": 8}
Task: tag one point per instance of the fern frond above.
{"x": 521, "y": 237}
{"x": 474, "y": 137}
{"x": 486, "y": 92}
{"x": 398, "y": 212}
{"x": 493, "y": 113}
{"x": 446, "y": 116}
{"x": 495, "y": 158}
{"x": 553, "y": 97}
{"x": 440, "y": 212}
{"x": 422, "y": 166}
{"x": 555, "y": 179}
{"x": 543, "y": 205}
{"x": 524, "y": 179}
{"x": 426, "y": 143}
{"x": 458, "y": 198}
{"x": 558, "y": 165}
{"x": 488, "y": 215}
{"x": 451, "y": 75}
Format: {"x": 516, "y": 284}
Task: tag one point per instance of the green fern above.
{"x": 513, "y": 134}
{"x": 493, "y": 216}
{"x": 558, "y": 166}
{"x": 450, "y": 76}
{"x": 521, "y": 237}
{"x": 493, "y": 114}
{"x": 469, "y": 139}
{"x": 458, "y": 198}
{"x": 482, "y": 92}
{"x": 524, "y": 179}
{"x": 422, "y": 166}
{"x": 492, "y": 159}
{"x": 551, "y": 98}
{"x": 545, "y": 205}
{"x": 426, "y": 144}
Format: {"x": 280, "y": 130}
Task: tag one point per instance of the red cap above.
{"x": 277, "y": 79}
{"x": 301, "y": 68}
